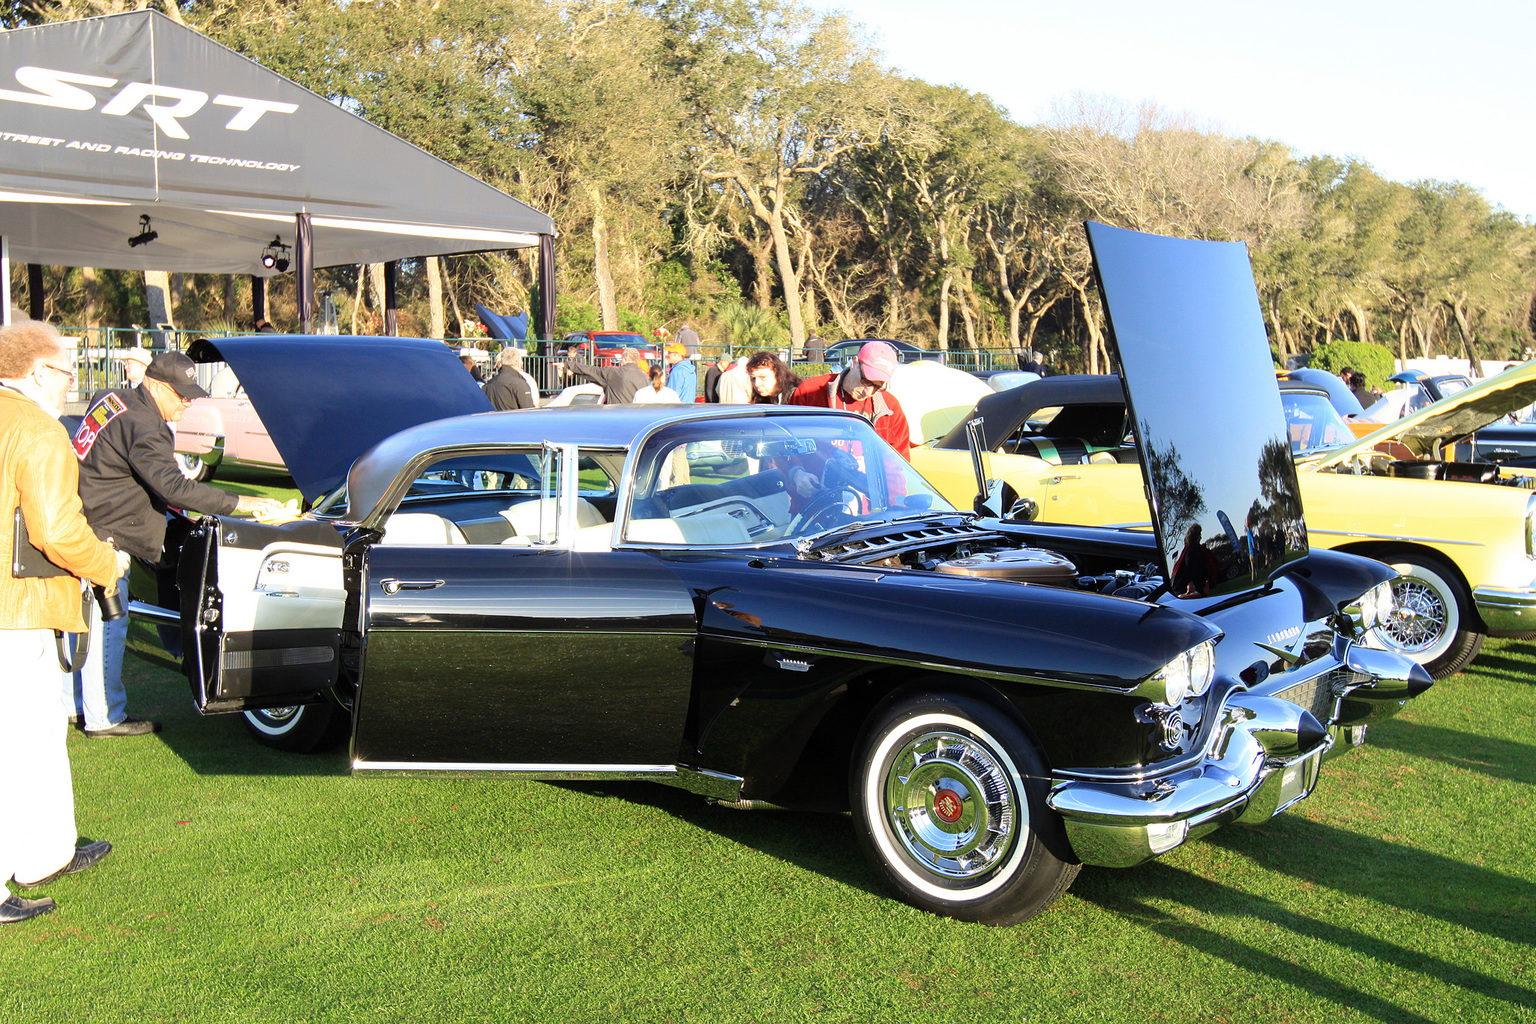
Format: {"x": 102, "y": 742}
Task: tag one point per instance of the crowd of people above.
{"x": 761, "y": 378}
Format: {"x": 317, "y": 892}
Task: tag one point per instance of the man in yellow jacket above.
{"x": 38, "y": 476}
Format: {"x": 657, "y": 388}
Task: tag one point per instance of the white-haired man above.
{"x": 511, "y": 388}
{"x": 38, "y": 474}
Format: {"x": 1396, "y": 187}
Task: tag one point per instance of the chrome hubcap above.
{"x": 950, "y": 805}
{"x": 1420, "y": 620}
{"x": 276, "y": 717}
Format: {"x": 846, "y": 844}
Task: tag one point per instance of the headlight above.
{"x": 1376, "y": 605}
{"x": 1188, "y": 675}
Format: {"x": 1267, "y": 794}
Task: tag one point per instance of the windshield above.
{"x": 769, "y": 480}
{"x": 1313, "y": 423}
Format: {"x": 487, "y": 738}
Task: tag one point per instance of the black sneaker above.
{"x": 15, "y": 909}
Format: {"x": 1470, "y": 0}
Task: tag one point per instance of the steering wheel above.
{"x": 826, "y": 504}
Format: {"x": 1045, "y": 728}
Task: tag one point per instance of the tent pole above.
{"x": 258, "y": 300}
{"x": 5, "y": 272}
{"x": 391, "y": 304}
{"x": 35, "y": 307}
{"x": 546, "y": 286}
{"x": 304, "y": 273}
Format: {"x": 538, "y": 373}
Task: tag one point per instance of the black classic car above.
{"x": 767, "y": 606}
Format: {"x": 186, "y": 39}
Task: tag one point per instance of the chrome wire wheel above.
{"x": 951, "y": 804}
{"x": 1423, "y": 617}
{"x": 1433, "y": 622}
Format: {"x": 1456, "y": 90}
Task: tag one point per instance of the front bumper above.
{"x": 1506, "y": 609}
{"x": 1263, "y": 757}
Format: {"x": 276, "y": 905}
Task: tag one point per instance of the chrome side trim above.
{"x": 154, "y": 613}
{"x": 607, "y": 771}
{"x": 702, "y": 781}
{"x": 1399, "y": 537}
{"x": 1503, "y": 609}
{"x": 715, "y": 785}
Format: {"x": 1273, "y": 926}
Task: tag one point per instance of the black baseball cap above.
{"x": 178, "y": 371}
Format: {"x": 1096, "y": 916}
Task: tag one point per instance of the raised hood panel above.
{"x": 1453, "y": 418}
{"x": 1205, "y": 407}
{"x": 327, "y": 399}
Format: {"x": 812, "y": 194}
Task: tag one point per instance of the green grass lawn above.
{"x": 248, "y": 885}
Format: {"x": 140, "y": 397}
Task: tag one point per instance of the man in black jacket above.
{"x": 128, "y": 477}
{"x": 509, "y": 389}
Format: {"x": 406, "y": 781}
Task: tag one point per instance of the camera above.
{"x": 110, "y": 602}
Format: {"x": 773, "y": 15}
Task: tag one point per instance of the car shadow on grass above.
{"x": 1143, "y": 894}
{"x": 1495, "y": 758}
{"x": 1497, "y": 664}
{"x": 819, "y": 842}
{"x": 211, "y": 744}
{"x": 1396, "y": 874}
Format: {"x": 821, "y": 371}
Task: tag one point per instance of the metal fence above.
{"x": 98, "y": 356}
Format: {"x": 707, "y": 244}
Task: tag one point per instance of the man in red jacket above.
{"x": 860, "y": 388}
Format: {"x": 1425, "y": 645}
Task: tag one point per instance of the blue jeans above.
{"x": 96, "y": 693}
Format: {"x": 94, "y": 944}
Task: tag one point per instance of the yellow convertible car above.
{"x": 1466, "y": 550}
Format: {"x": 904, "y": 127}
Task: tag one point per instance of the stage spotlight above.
{"x": 146, "y": 233}
{"x": 275, "y": 255}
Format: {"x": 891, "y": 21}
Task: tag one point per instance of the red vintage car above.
{"x": 609, "y": 345}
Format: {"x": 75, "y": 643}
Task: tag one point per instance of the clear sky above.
{"x": 1417, "y": 89}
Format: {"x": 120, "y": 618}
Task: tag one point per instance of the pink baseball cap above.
{"x": 877, "y": 361}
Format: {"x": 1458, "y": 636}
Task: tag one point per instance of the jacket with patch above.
{"x": 128, "y": 473}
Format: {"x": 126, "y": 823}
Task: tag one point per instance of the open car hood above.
{"x": 1450, "y": 419}
{"x": 1188, "y": 334}
{"x": 326, "y": 399}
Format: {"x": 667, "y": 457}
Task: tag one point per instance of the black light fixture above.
{"x": 275, "y": 255}
{"x": 146, "y": 233}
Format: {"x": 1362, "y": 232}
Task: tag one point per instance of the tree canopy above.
{"x": 703, "y": 155}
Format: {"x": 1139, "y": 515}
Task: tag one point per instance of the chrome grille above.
{"x": 1318, "y": 693}
{"x": 934, "y": 535}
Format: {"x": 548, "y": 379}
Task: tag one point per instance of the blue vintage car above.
{"x": 797, "y": 618}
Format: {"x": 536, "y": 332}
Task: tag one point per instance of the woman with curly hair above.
{"x": 772, "y": 381}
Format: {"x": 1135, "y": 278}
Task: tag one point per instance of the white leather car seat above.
{"x": 525, "y": 516}
{"x": 707, "y": 528}
{"x": 422, "y": 528}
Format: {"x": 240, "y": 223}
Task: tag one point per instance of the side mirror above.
{"x": 1001, "y": 501}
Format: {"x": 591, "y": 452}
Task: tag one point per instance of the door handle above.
{"x": 394, "y": 586}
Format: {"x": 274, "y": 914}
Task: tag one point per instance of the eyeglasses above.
{"x": 68, "y": 373}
